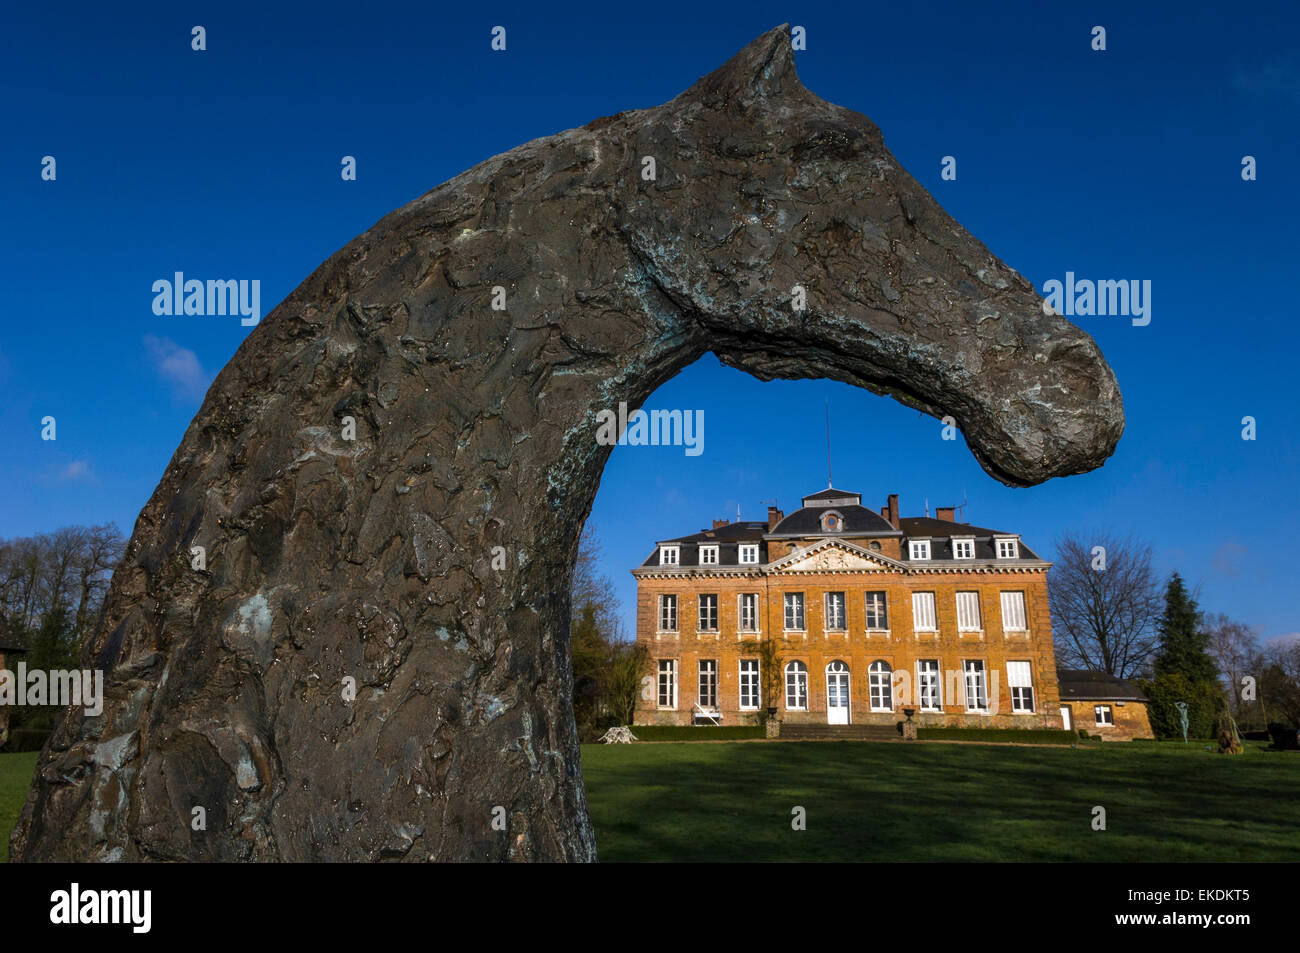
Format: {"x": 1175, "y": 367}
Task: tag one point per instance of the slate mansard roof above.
{"x": 728, "y": 539}
{"x": 858, "y": 521}
{"x": 941, "y": 534}
{"x": 1083, "y": 685}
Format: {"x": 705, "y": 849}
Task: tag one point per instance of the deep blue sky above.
{"x": 1122, "y": 164}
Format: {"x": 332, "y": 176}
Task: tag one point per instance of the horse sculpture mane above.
{"x": 429, "y": 558}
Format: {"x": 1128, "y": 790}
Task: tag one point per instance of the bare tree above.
{"x": 1276, "y": 666}
{"x": 606, "y": 669}
{"x": 1105, "y": 601}
{"x": 102, "y": 549}
{"x": 69, "y": 569}
{"x": 1234, "y": 647}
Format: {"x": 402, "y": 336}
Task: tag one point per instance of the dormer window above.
{"x": 918, "y": 549}
{"x": 709, "y": 555}
{"x": 1008, "y": 548}
{"x": 670, "y": 555}
{"x": 749, "y": 554}
{"x": 832, "y": 522}
{"x": 963, "y": 549}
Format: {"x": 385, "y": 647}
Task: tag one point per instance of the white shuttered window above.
{"x": 968, "y": 612}
{"x": 1013, "y": 612}
{"x": 923, "y": 611}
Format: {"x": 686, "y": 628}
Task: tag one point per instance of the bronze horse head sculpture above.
{"x": 340, "y": 630}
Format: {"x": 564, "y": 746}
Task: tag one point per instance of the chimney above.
{"x": 774, "y": 516}
{"x": 719, "y": 523}
{"x": 893, "y": 510}
{"x": 948, "y": 513}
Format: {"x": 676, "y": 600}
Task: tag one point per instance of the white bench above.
{"x": 709, "y": 714}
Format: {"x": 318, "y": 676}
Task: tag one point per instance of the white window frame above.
{"x": 843, "y": 612}
{"x": 880, "y": 610}
{"x": 1103, "y": 722}
{"x": 803, "y": 611}
{"x": 748, "y": 554}
{"x": 968, "y": 602}
{"x": 701, "y": 619}
{"x": 668, "y": 671}
{"x": 1007, "y": 547}
{"x": 708, "y": 684}
{"x": 929, "y": 681}
{"x": 881, "y": 679}
{"x": 1008, "y": 619}
{"x": 668, "y": 612}
{"x": 749, "y": 672}
{"x": 963, "y": 547}
{"x": 796, "y": 678}
{"x": 918, "y": 549}
{"x": 743, "y": 624}
{"x": 670, "y": 555}
{"x": 918, "y": 617}
{"x": 709, "y": 554}
{"x": 838, "y": 667}
{"x": 976, "y": 688}
{"x": 1020, "y": 679}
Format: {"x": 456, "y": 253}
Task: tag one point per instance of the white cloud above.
{"x": 76, "y": 470}
{"x": 178, "y": 366}
{"x": 1272, "y": 79}
{"x": 1227, "y": 556}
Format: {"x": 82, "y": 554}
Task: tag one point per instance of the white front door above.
{"x": 837, "y": 693}
{"x": 1065, "y": 717}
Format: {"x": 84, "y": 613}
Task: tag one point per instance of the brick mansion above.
{"x": 866, "y": 613}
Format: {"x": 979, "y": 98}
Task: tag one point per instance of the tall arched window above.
{"x": 882, "y": 692}
{"x": 796, "y": 686}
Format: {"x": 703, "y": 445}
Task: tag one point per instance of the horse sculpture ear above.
{"x": 763, "y": 70}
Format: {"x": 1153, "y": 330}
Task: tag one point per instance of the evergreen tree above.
{"x": 54, "y": 644}
{"x": 1184, "y": 642}
{"x": 587, "y": 650}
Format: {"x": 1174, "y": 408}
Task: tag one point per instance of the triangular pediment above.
{"x": 832, "y": 555}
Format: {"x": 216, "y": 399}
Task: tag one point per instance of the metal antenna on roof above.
{"x": 829, "y": 482}
{"x": 927, "y": 507}
{"x": 961, "y": 510}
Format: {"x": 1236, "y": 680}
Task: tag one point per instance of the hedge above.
{"x": 694, "y": 733}
{"x": 1026, "y": 736}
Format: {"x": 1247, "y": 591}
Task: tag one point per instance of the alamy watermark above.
{"x": 78, "y": 689}
{"x": 1085, "y": 297}
{"x": 213, "y": 297}
{"x": 658, "y": 428}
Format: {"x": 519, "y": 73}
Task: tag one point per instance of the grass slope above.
{"x": 16, "y": 772}
{"x": 941, "y": 802}
{"x": 924, "y": 802}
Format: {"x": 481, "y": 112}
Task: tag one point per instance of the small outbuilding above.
{"x": 1103, "y": 705}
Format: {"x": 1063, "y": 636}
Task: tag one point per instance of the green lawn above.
{"x": 941, "y": 802}
{"x": 15, "y": 778}
{"x": 916, "y": 802}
